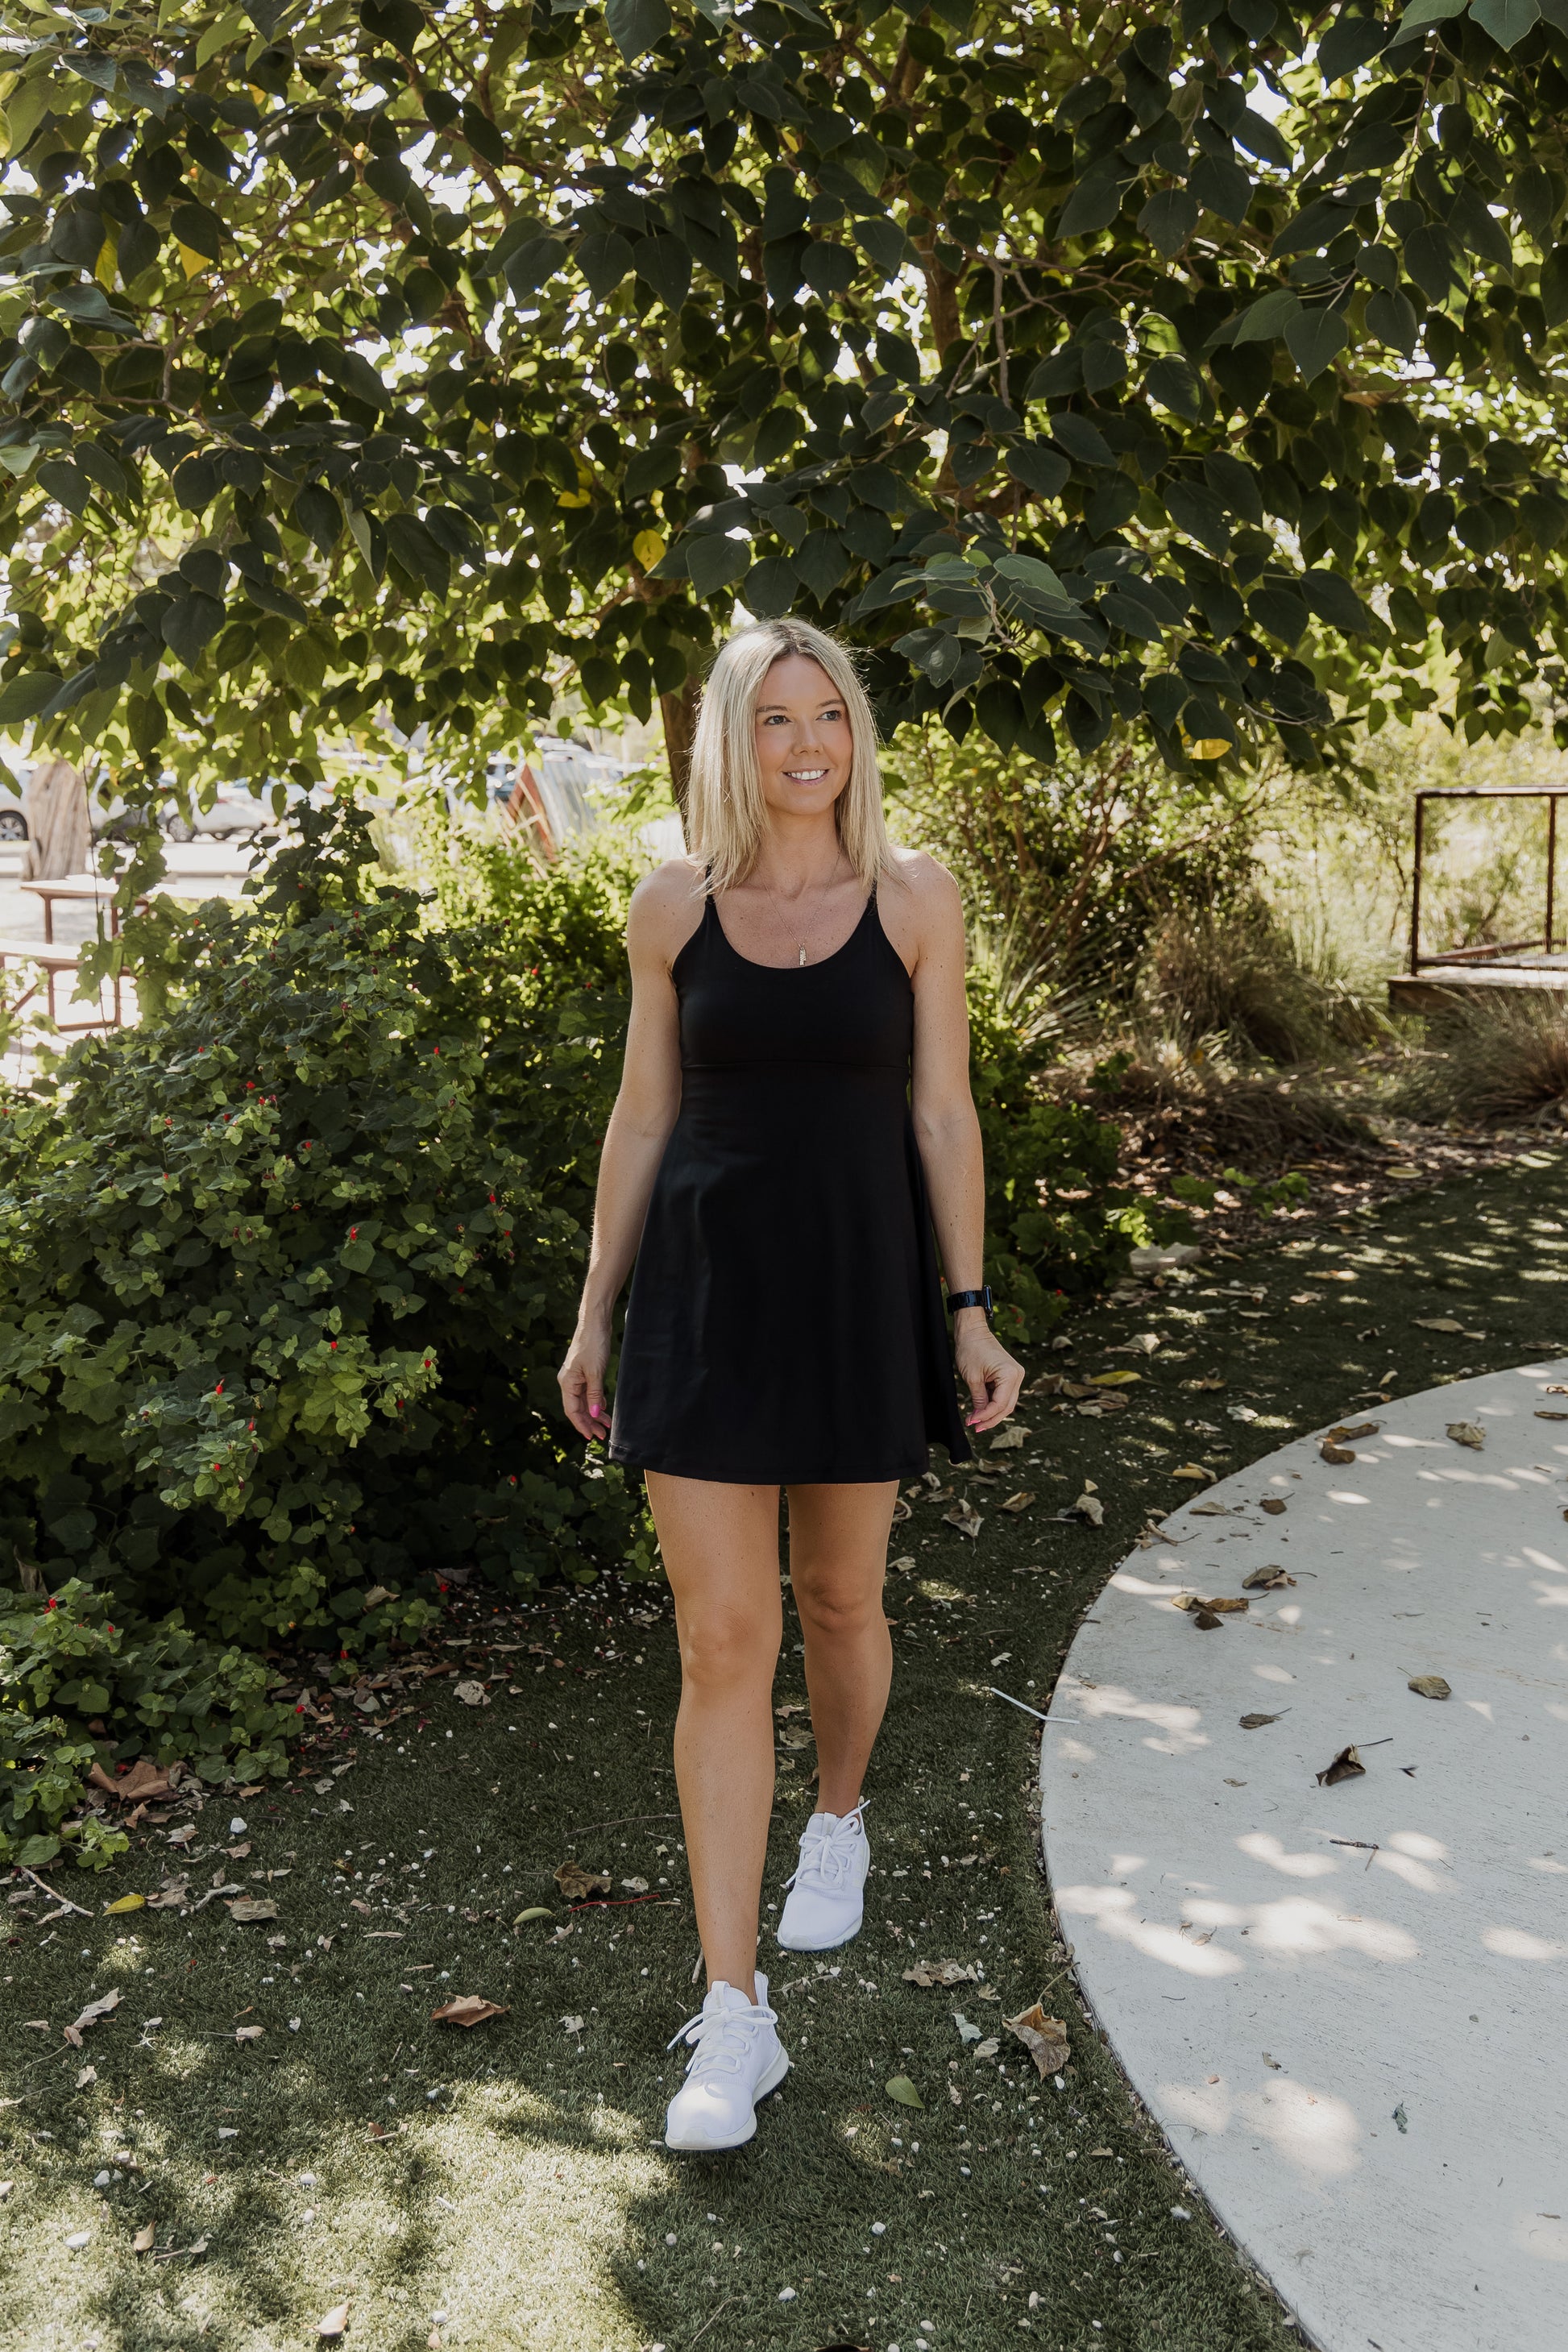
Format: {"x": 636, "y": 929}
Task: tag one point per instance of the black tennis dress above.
{"x": 786, "y": 1321}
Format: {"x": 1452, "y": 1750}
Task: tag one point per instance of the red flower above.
{"x": 53, "y": 1603}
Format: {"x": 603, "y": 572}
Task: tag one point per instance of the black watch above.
{"x": 957, "y": 1298}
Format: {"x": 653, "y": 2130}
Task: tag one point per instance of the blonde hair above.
{"x": 726, "y": 813}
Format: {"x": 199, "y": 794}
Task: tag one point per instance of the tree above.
{"x": 1183, "y": 369}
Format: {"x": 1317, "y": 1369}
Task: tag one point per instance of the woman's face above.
{"x": 802, "y": 731}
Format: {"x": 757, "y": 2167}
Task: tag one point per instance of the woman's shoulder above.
{"x": 666, "y": 907}
{"x": 929, "y": 886}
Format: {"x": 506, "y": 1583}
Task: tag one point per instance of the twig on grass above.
{"x": 713, "y": 2315}
{"x": 620, "y": 1822}
{"x": 54, "y": 1895}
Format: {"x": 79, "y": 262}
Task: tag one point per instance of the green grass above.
{"x": 521, "y": 2189}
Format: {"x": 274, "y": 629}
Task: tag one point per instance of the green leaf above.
{"x": 412, "y": 545}
{"x": 1026, "y": 575}
{"x": 604, "y": 258}
{"x": 1333, "y": 599}
{"x": 1084, "y": 443}
{"x": 1508, "y": 21}
{"x": 1349, "y": 42}
{"x": 664, "y": 264}
{"x": 65, "y": 485}
{"x": 884, "y": 242}
{"x": 1175, "y": 383}
{"x": 189, "y": 626}
{"x": 1313, "y": 340}
{"x": 1554, "y": 285}
{"x": 1282, "y": 614}
{"x": 1097, "y": 199}
{"x": 635, "y": 25}
{"x": 1423, "y": 13}
{"x": 1390, "y": 317}
{"x": 23, "y": 698}
{"x": 1272, "y": 314}
{"x": 318, "y": 514}
{"x": 903, "y": 2092}
{"x": 1430, "y": 259}
{"x": 1222, "y": 186}
{"x": 534, "y": 262}
{"x": 716, "y": 561}
{"x": 771, "y": 587}
{"x": 1168, "y": 219}
{"x": 1039, "y": 467}
{"x": 200, "y": 229}
{"x": 1195, "y": 509}
{"x": 828, "y": 269}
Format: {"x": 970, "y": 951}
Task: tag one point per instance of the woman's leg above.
{"x": 720, "y": 1549}
{"x": 838, "y": 1558}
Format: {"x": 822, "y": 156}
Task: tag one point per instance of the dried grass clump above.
{"x": 1170, "y": 1091}
{"x": 1236, "y": 975}
{"x": 1505, "y": 1058}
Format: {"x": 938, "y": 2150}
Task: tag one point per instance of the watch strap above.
{"x": 960, "y": 1298}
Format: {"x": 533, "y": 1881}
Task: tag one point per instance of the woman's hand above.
{"x": 985, "y": 1368}
{"x": 582, "y": 1378}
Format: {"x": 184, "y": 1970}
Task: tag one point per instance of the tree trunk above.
{"x": 58, "y": 825}
{"x": 678, "y": 711}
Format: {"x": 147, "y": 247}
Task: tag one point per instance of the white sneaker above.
{"x": 736, "y": 2060}
{"x": 826, "y": 1899}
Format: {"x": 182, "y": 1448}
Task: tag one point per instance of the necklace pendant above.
{"x": 803, "y": 950}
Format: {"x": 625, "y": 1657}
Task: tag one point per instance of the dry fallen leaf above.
{"x": 331, "y": 2323}
{"x": 966, "y": 1521}
{"x": 1541, "y": 1414}
{"x": 1113, "y": 1380}
{"x": 1335, "y": 1452}
{"x": 1045, "y": 2038}
{"x": 170, "y": 1895}
{"x": 1429, "y": 1686}
{"x": 1193, "y": 1470}
{"x": 901, "y": 1566}
{"x": 1266, "y": 1580}
{"x": 248, "y": 2032}
{"x": 1008, "y": 1440}
{"x": 1272, "y": 1505}
{"x": 989, "y": 2048}
{"x": 1342, "y": 1435}
{"x": 796, "y": 1735}
{"x": 1437, "y": 1323}
{"x": 1257, "y": 1722}
{"x": 1221, "y": 1606}
{"x": 940, "y": 1972}
{"x": 1347, "y": 1766}
{"x": 143, "y": 1780}
{"x": 89, "y": 2016}
{"x": 1090, "y": 1509}
{"x": 471, "y": 1694}
{"x": 1021, "y": 1501}
{"x": 251, "y": 1907}
{"x": 575, "y": 1882}
{"x": 88, "y": 2075}
{"x": 468, "y": 2009}
{"x": 1210, "y": 1384}
{"x": 126, "y": 1903}
{"x": 1466, "y": 1433}
{"x": 145, "y": 2238}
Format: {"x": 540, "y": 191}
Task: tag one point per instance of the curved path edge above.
{"x": 1344, "y": 2002}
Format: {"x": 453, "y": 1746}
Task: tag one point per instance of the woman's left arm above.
{"x": 948, "y": 1132}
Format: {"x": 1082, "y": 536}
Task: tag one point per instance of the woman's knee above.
{"x": 722, "y": 1646}
{"x": 837, "y": 1612}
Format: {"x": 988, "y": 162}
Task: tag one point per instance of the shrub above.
{"x": 284, "y": 1279}
{"x": 1055, "y": 1227}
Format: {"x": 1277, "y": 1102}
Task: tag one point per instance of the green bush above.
{"x": 1055, "y": 1226}
{"x": 285, "y": 1276}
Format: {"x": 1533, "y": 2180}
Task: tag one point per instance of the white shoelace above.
{"x": 825, "y": 1854}
{"x": 720, "y": 2037}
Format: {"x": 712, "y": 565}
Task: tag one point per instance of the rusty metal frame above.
{"x": 1510, "y": 949}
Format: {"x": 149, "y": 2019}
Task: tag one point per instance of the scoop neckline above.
{"x": 822, "y": 962}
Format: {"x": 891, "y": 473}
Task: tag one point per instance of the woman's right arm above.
{"x": 646, "y": 1106}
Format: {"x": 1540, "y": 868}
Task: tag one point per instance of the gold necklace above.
{"x": 827, "y": 886}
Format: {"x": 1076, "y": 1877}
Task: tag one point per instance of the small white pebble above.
{"x": 1180, "y": 2213}
{"x": 100, "y": 2179}
{"x": 228, "y": 2131}
{"x": 669, "y": 2237}
{"x": 877, "y": 2229}
{"x": 78, "y": 2239}
{"x": 294, "y": 2025}
{"x": 787, "y": 2294}
{"x": 237, "y": 1827}
{"x": 307, "y": 2180}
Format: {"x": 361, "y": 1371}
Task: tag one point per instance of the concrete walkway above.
{"x": 1344, "y": 2002}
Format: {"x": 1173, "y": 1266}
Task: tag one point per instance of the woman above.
{"x": 785, "y": 1324}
